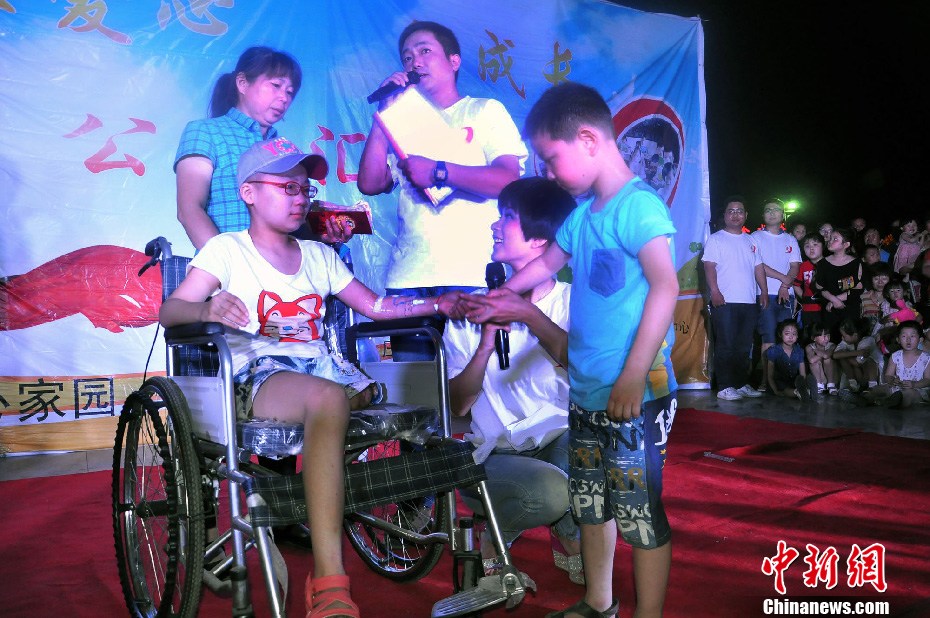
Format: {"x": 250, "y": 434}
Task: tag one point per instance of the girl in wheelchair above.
{"x": 269, "y": 290}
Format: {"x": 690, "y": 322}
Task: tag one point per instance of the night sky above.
{"x": 815, "y": 102}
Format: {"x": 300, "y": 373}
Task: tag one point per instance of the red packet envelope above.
{"x": 358, "y": 215}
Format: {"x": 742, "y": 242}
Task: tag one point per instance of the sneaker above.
{"x": 729, "y": 394}
{"x": 747, "y": 391}
{"x": 831, "y": 388}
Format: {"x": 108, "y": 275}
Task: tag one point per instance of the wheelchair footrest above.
{"x": 510, "y": 586}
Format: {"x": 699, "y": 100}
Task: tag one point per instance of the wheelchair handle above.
{"x": 158, "y": 249}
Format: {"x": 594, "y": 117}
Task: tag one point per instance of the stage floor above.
{"x": 831, "y": 413}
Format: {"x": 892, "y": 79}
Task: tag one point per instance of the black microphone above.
{"x": 495, "y": 276}
{"x": 388, "y": 89}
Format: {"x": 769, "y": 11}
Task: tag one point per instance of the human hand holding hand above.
{"x": 452, "y": 305}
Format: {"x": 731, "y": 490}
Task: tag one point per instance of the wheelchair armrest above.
{"x": 192, "y": 333}
{"x": 427, "y": 325}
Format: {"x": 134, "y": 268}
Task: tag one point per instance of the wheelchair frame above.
{"x": 167, "y": 470}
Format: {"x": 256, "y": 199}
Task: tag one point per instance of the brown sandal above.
{"x": 328, "y": 597}
{"x": 586, "y": 611}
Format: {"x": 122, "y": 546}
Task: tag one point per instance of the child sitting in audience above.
{"x": 873, "y": 298}
{"x": 858, "y": 355}
{"x": 907, "y": 374}
{"x": 896, "y": 309}
{"x": 785, "y": 371}
{"x": 820, "y": 358}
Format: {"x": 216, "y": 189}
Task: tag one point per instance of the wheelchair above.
{"x": 179, "y": 450}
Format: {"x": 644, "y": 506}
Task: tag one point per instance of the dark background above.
{"x": 821, "y": 102}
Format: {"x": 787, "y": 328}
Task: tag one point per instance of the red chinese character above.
{"x": 97, "y": 162}
{"x": 201, "y": 10}
{"x": 92, "y": 14}
{"x": 327, "y": 135}
{"x": 821, "y": 567}
{"x": 866, "y": 566}
{"x": 777, "y": 565}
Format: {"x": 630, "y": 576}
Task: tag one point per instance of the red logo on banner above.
{"x": 651, "y": 138}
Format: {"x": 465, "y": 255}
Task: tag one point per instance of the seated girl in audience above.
{"x": 785, "y": 371}
{"x": 873, "y": 298}
{"x": 858, "y": 355}
{"x": 907, "y": 374}
{"x": 820, "y": 358}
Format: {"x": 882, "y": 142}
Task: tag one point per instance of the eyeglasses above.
{"x": 291, "y": 188}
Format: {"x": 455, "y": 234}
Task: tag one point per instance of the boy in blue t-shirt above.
{"x": 620, "y": 337}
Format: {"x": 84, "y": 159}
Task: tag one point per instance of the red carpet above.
{"x": 734, "y": 489}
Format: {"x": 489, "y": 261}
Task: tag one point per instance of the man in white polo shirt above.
{"x": 735, "y": 274}
{"x": 781, "y": 259}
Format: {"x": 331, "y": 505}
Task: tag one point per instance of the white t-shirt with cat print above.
{"x": 285, "y": 311}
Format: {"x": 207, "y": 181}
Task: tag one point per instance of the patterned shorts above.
{"x": 615, "y": 470}
{"x": 251, "y": 377}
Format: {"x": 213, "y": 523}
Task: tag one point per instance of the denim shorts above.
{"x": 251, "y": 377}
{"x": 615, "y": 470}
{"x": 769, "y": 317}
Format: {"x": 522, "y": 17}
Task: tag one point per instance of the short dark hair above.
{"x": 253, "y": 63}
{"x": 911, "y": 324}
{"x": 541, "y": 204}
{"x": 895, "y": 284}
{"x": 781, "y": 326}
{"x": 564, "y": 108}
{"x": 878, "y": 268}
{"x": 445, "y": 36}
{"x": 855, "y": 326}
{"x": 812, "y": 236}
{"x": 734, "y": 198}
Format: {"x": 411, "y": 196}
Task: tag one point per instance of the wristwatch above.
{"x": 440, "y": 174}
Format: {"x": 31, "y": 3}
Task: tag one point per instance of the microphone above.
{"x": 389, "y": 89}
{"x": 494, "y": 276}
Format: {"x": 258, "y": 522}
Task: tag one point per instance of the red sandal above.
{"x": 328, "y": 597}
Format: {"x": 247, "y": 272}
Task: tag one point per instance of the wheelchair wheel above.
{"x": 388, "y": 554}
{"x": 158, "y": 521}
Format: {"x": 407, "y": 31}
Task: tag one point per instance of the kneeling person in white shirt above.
{"x": 519, "y": 415}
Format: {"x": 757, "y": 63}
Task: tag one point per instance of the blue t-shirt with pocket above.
{"x": 609, "y": 292}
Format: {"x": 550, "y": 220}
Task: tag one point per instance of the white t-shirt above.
{"x": 285, "y": 311}
{"x": 450, "y": 244}
{"x": 778, "y": 251}
{"x": 526, "y": 405}
{"x": 736, "y": 257}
